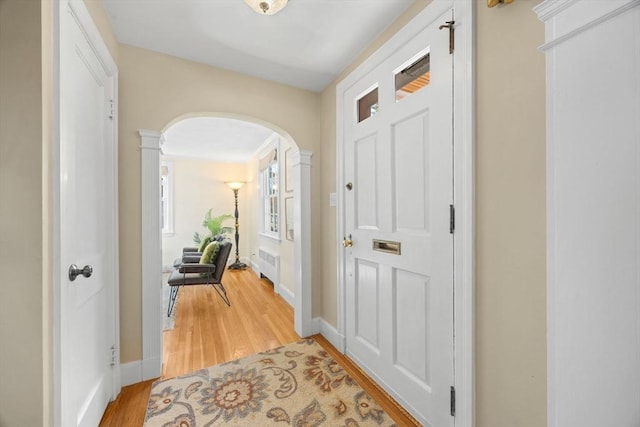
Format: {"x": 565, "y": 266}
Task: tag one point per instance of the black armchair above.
{"x": 189, "y": 255}
{"x": 194, "y": 273}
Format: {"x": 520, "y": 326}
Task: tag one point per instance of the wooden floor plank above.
{"x": 207, "y": 333}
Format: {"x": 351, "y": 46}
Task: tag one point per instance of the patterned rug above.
{"x": 298, "y": 384}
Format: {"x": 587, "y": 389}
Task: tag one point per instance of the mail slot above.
{"x": 386, "y": 246}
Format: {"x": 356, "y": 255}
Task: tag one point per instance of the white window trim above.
{"x": 271, "y": 236}
{"x": 167, "y": 193}
{"x": 274, "y": 145}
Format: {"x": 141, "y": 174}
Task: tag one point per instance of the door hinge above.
{"x": 452, "y": 219}
{"x": 113, "y": 355}
{"x": 453, "y": 401}
{"x": 452, "y": 31}
{"x": 111, "y": 109}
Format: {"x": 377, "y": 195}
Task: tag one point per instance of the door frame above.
{"x": 79, "y": 11}
{"x": 464, "y": 186}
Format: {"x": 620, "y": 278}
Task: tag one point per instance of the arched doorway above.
{"x": 150, "y": 146}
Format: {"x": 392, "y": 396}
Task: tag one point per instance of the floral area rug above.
{"x": 295, "y": 385}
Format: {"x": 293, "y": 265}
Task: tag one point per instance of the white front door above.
{"x": 399, "y": 188}
{"x": 87, "y": 225}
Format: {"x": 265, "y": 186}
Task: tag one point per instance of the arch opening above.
{"x": 152, "y": 143}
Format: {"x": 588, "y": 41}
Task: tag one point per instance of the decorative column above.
{"x": 592, "y": 51}
{"x": 152, "y": 255}
{"x": 302, "y": 242}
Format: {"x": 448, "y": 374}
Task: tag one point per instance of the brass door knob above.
{"x": 347, "y": 243}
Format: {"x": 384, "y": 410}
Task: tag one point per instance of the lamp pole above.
{"x": 237, "y": 265}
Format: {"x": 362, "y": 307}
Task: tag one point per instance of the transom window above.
{"x": 413, "y": 77}
{"x": 368, "y": 105}
{"x": 409, "y": 78}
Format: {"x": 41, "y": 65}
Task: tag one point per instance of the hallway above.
{"x": 207, "y": 332}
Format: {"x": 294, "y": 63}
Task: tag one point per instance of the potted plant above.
{"x": 214, "y": 224}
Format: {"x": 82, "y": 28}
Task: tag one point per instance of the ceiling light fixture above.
{"x": 266, "y": 7}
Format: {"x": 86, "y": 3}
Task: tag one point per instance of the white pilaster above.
{"x": 302, "y": 242}
{"x": 593, "y": 211}
{"x": 152, "y": 255}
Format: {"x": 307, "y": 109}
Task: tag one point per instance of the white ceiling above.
{"x": 305, "y": 45}
{"x": 211, "y": 138}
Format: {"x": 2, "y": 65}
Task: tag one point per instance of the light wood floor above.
{"x": 207, "y": 332}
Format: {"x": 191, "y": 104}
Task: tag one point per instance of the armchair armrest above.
{"x": 189, "y": 249}
{"x": 197, "y": 268}
{"x": 191, "y": 259}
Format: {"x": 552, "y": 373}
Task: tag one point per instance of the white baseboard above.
{"x": 139, "y": 370}
{"x": 285, "y": 293}
{"x": 255, "y": 267}
{"x": 151, "y": 368}
{"x": 330, "y": 333}
{"x": 131, "y": 373}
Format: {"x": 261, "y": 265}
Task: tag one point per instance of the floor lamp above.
{"x": 237, "y": 265}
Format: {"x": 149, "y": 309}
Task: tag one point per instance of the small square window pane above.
{"x": 413, "y": 78}
{"x": 368, "y": 105}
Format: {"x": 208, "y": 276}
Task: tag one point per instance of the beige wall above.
{"x": 510, "y": 242}
{"x": 156, "y": 89}
{"x": 199, "y": 185}
{"x": 23, "y": 368}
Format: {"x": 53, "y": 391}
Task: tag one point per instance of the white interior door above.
{"x": 87, "y": 224}
{"x": 399, "y": 188}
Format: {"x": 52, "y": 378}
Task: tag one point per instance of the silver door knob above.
{"x": 74, "y": 271}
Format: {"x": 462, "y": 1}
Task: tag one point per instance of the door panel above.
{"x": 410, "y": 148}
{"x": 367, "y": 301}
{"x": 411, "y": 345}
{"x": 365, "y": 179}
{"x": 400, "y": 163}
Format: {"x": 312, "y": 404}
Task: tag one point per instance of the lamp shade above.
{"x": 267, "y": 7}
{"x": 235, "y": 185}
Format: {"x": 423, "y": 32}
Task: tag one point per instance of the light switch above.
{"x": 332, "y": 199}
